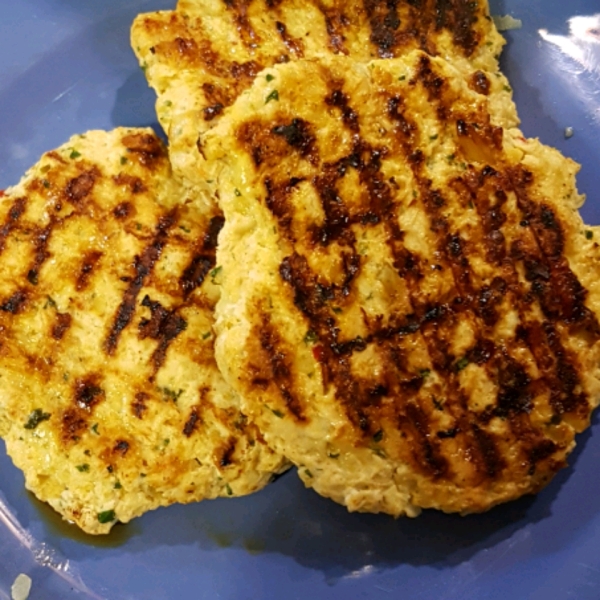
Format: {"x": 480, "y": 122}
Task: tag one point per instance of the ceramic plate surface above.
{"x": 65, "y": 67}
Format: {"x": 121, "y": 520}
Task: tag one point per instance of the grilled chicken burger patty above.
{"x": 409, "y": 302}
{"x": 202, "y": 56}
{"x": 110, "y": 398}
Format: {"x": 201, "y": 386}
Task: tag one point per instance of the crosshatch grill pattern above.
{"x": 409, "y": 304}
{"x": 110, "y": 398}
{"x": 202, "y": 56}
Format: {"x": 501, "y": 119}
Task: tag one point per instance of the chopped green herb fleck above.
{"x": 433, "y": 137}
{"x": 35, "y": 418}
{"x": 308, "y": 473}
{"x": 124, "y": 160}
{"x": 507, "y": 88}
{"x": 142, "y": 474}
{"x": 169, "y": 394}
{"x": 49, "y": 302}
{"x": 74, "y": 154}
{"x": 84, "y": 468}
{"x": 206, "y": 335}
{"x": 333, "y": 454}
{"x": 94, "y": 428}
{"x": 117, "y": 485}
{"x": 107, "y": 516}
{"x": 589, "y": 235}
{"x": 237, "y": 192}
{"x": 277, "y": 413}
{"x": 311, "y": 337}
{"x": 184, "y": 228}
{"x": 379, "y": 452}
{"x": 471, "y": 205}
{"x": 337, "y": 310}
{"x": 168, "y": 103}
{"x": 138, "y": 226}
{"x": 451, "y": 157}
{"x": 45, "y": 183}
{"x": 378, "y": 436}
{"x": 213, "y": 274}
{"x": 462, "y": 363}
{"x": 438, "y": 405}
{"x": 269, "y": 77}
{"x": 402, "y": 77}
{"x": 425, "y": 373}
{"x": 229, "y": 490}
{"x": 274, "y": 95}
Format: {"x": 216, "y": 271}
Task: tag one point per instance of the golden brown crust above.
{"x": 414, "y": 325}
{"x": 110, "y": 398}
{"x": 202, "y": 56}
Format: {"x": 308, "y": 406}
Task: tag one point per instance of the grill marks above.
{"x": 142, "y": 268}
{"x": 164, "y": 326}
{"x": 204, "y": 259}
{"x": 14, "y": 214}
{"x": 396, "y": 23}
{"x": 547, "y": 269}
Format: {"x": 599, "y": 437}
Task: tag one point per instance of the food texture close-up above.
{"x": 299, "y": 299}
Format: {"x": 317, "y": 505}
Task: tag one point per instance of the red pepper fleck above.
{"x": 319, "y": 353}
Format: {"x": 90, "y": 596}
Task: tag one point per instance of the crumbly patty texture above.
{"x": 110, "y": 398}
{"x": 202, "y": 56}
{"x": 409, "y": 302}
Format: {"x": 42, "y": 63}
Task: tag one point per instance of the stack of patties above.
{"x": 110, "y": 398}
{"x": 409, "y": 298}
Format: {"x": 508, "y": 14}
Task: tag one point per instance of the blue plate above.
{"x": 65, "y": 67}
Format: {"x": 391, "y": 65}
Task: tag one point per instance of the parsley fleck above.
{"x": 589, "y": 235}
{"x": 402, "y": 77}
{"x": 229, "y": 490}
{"x": 378, "y": 436}
{"x": 277, "y": 413}
{"x": 274, "y": 95}
{"x": 117, "y": 485}
{"x": 269, "y": 77}
{"x": 462, "y": 363}
{"x": 94, "y": 428}
{"x": 84, "y": 468}
{"x": 337, "y": 310}
{"x": 206, "y": 335}
{"x": 124, "y": 160}
{"x": 169, "y": 394}
{"x": 433, "y": 137}
{"x": 107, "y": 516}
{"x": 425, "y": 373}
{"x": 49, "y": 302}
{"x": 438, "y": 405}
{"x": 332, "y": 454}
{"x": 214, "y": 273}
{"x": 45, "y": 183}
{"x": 168, "y": 103}
{"x": 74, "y": 154}
{"x": 237, "y": 192}
{"x": 311, "y": 337}
{"x": 35, "y": 418}
{"x": 184, "y": 228}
